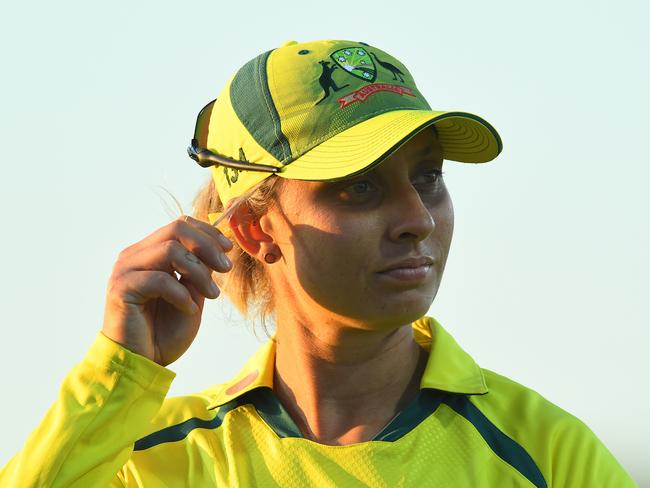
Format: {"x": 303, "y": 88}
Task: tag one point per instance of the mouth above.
{"x": 410, "y": 270}
{"x": 409, "y": 263}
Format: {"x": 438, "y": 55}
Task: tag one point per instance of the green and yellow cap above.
{"x": 323, "y": 111}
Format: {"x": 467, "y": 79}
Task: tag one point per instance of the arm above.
{"x": 104, "y": 405}
{"x": 107, "y": 401}
{"x": 580, "y": 459}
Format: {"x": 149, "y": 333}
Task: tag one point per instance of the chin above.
{"x": 404, "y": 309}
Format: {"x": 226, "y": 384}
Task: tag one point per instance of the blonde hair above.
{"x": 246, "y": 285}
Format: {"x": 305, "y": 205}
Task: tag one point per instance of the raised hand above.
{"x": 150, "y": 311}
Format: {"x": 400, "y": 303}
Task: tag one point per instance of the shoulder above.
{"x": 565, "y": 449}
{"x": 519, "y": 401}
{"x": 524, "y": 413}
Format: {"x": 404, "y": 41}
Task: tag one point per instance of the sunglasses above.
{"x": 197, "y": 150}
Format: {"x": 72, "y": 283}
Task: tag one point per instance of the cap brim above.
{"x": 464, "y": 137}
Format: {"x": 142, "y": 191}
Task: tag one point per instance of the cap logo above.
{"x": 397, "y": 74}
{"x": 357, "y": 62}
{"x": 362, "y": 94}
{"x": 326, "y": 81}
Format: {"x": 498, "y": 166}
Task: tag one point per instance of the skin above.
{"x": 346, "y": 359}
{"x": 148, "y": 310}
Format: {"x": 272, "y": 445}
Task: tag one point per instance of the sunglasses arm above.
{"x": 206, "y": 158}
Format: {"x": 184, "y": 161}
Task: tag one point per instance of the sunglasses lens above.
{"x": 199, "y": 152}
{"x": 203, "y": 124}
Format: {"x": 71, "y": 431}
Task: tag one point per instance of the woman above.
{"x": 327, "y": 195}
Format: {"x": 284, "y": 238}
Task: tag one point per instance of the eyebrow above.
{"x": 426, "y": 151}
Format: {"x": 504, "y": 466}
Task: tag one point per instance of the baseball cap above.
{"x": 323, "y": 111}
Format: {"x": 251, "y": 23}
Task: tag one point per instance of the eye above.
{"x": 357, "y": 190}
{"x": 429, "y": 178}
{"x": 359, "y": 187}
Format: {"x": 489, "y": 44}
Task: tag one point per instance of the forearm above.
{"x": 105, "y": 403}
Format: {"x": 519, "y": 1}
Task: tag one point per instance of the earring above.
{"x": 269, "y": 257}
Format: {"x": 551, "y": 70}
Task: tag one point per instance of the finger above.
{"x": 193, "y": 239}
{"x": 170, "y": 256}
{"x": 226, "y": 243}
{"x": 183, "y": 227}
{"x": 197, "y": 297}
{"x": 138, "y": 287}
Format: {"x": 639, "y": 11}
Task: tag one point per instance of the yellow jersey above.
{"x": 469, "y": 427}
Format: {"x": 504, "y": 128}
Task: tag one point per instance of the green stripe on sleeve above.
{"x": 505, "y": 447}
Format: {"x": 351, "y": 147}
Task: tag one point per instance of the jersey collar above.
{"x": 449, "y": 367}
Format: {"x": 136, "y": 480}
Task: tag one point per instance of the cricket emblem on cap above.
{"x": 358, "y": 62}
{"x": 326, "y": 81}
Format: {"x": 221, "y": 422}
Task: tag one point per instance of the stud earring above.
{"x": 270, "y": 258}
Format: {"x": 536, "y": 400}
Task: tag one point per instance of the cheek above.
{"x": 333, "y": 247}
{"x": 443, "y": 216}
{"x": 332, "y": 259}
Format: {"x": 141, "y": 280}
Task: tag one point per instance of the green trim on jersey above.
{"x": 276, "y": 416}
{"x": 507, "y": 449}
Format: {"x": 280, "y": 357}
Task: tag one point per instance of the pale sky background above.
{"x": 547, "y": 279}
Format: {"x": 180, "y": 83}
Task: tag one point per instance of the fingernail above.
{"x": 225, "y": 261}
{"x": 193, "y": 307}
{"x": 225, "y": 241}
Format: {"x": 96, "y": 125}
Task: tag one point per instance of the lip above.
{"x": 415, "y": 262}
{"x": 410, "y": 271}
{"x": 407, "y": 275}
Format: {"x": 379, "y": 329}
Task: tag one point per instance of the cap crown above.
{"x": 286, "y": 101}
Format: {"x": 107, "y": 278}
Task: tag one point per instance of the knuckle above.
{"x": 171, "y": 247}
{"x": 157, "y": 282}
{"x": 117, "y": 268}
{"x": 114, "y": 286}
{"x": 123, "y": 253}
{"x": 205, "y": 271}
{"x": 160, "y": 279}
{"x": 178, "y": 225}
{"x": 198, "y": 248}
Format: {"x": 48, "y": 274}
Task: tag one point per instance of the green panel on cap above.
{"x": 322, "y": 88}
{"x": 252, "y": 102}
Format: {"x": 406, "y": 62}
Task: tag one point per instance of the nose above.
{"x": 410, "y": 217}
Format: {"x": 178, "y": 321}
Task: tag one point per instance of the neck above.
{"x": 343, "y": 384}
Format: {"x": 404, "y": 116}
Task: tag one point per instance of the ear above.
{"x": 248, "y": 233}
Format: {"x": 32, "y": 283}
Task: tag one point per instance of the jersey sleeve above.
{"x": 581, "y": 459}
{"x": 104, "y": 405}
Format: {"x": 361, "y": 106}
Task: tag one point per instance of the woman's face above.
{"x": 337, "y": 239}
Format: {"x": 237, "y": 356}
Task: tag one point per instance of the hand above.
{"x": 150, "y": 311}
